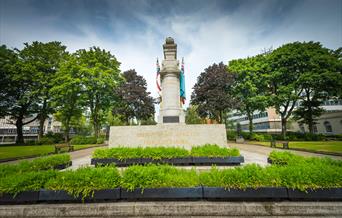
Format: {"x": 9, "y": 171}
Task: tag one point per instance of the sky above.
{"x": 206, "y": 31}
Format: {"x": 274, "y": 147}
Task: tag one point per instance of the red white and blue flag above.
{"x": 158, "y": 78}
{"x": 182, "y": 83}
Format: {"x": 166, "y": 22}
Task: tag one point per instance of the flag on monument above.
{"x": 158, "y": 78}
{"x": 182, "y": 83}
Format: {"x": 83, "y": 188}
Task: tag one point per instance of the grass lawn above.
{"x": 12, "y": 151}
{"x": 329, "y": 146}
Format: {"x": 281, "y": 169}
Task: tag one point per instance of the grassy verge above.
{"x": 325, "y": 146}
{"x": 14, "y": 151}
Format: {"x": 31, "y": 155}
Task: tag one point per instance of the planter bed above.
{"x": 147, "y": 194}
{"x": 185, "y": 161}
{"x": 249, "y": 194}
{"x": 20, "y": 198}
{"x": 220, "y": 161}
{"x": 178, "y": 194}
{"x": 62, "y": 196}
{"x": 327, "y": 194}
{"x": 62, "y": 166}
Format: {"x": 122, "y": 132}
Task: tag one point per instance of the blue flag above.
{"x": 182, "y": 83}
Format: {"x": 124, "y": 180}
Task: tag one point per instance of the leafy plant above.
{"x": 43, "y": 163}
{"x": 157, "y": 176}
{"x": 30, "y": 181}
{"x": 209, "y": 150}
{"x": 84, "y": 181}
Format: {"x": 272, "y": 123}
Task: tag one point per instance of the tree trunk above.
{"x": 310, "y": 115}
{"x": 66, "y": 131}
{"x": 283, "y": 126}
{"x": 20, "y": 136}
{"x": 250, "y": 125}
{"x": 41, "y": 126}
{"x": 42, "y": 118}
{"x": 96, "y": 129}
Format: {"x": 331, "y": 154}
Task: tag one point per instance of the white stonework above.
{"x": 168, "y": 135}
{"x": 170, "y": 106}
{"x": 171, "y": 129}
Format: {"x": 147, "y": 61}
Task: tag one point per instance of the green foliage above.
{"x": 83, "y": 181}
{"x": 209, "y": 150}
{"x": 251, "y": 84}
{"x": 82, "y": 140}
{"x": 157, "y": 176}
{"x": 213, "y": 93}
{"x": 191, "y": 115}
{"x": 100, "y": 77}
{"x": 43, "y": 163}
{"x": 29, "y": 181}
{"x": 55, "y": 137}
{"x": 135, "y": 103}
{"x": 302, "y": 176}
{"x": 231, "y": 135}
{"x": 68, "y": 93}
{"x": 44, "y": 141}
{"x": 158, "y": 153}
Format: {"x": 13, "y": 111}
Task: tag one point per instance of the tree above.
{"x": 250, "y": 85}
{"x": 320, "y": 78}
{"x": 134, "y": 100}
{"x": 100, "y": 78}
{"x": 18, "y": 89}
{"x": 45, "y": 58}
{"x": 68, "y": 93}
{"x": 191, "y": 115}
{"x": 213, "y": 92}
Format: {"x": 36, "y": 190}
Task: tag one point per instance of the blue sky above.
{"x": 206, "y": 32}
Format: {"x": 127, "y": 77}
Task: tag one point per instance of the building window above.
{"x": 315, "y": 129}
{"x": 327, "y": 126}
{"x": 301, "y": 127}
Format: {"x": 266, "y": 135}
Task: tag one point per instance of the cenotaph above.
{"x": 171, "y": 129}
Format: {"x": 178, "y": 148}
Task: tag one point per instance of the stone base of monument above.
{"x": 177, "y": 135}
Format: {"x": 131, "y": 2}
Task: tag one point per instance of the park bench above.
{"x": 284, "y": 143}
{"x": 60, "y": 146}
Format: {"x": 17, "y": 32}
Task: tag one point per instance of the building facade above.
{"x": 8, "y": 131}
{"x": 268, "y": 121}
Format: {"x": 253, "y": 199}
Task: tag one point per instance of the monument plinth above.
{"x": 171, "y": 129}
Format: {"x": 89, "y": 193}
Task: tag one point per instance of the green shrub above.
{"x": 82, "y": 140}
{"x": 45, "y": 141}
{"x": 283, "y": 158}
{"x": 30, "y": 181}
{"x": 231, "y": 135}
{"x": 55, "y": 137}
{"x": 100, "y": 140}
{"x": 42, "y": 163}
{"x": 158, "y": 176}
{"x": 303, "y": 176}
{"x": 240, "y": 177}
{"x": 209, "y": 150}
{"x": 158, "y": 153}
{"x": 84, "y": 181}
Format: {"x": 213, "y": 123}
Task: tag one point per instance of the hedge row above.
{"x": 158, "y": 153}
{"x": 82, "y": 140}
{"x": 38, "y": 164}
{"x": 84, "y": 181}
{"x": 288, "y": 158}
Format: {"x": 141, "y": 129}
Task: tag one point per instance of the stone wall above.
{"x": 176, "y": 209}
{"x": 167, "y": 135}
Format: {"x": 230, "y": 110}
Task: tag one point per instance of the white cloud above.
{"x": 202, "y": 40}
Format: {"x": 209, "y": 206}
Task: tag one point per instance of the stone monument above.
{"x": 171, "y": 110}
{"x": 171, "y": 129}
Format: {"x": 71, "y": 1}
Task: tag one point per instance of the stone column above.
{"x": 170, "y": 108}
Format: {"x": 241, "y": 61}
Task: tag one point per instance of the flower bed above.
{"x": 199, "y": 155}
{"x": 59, "y": 161}
{"x": 163, "y": 182}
